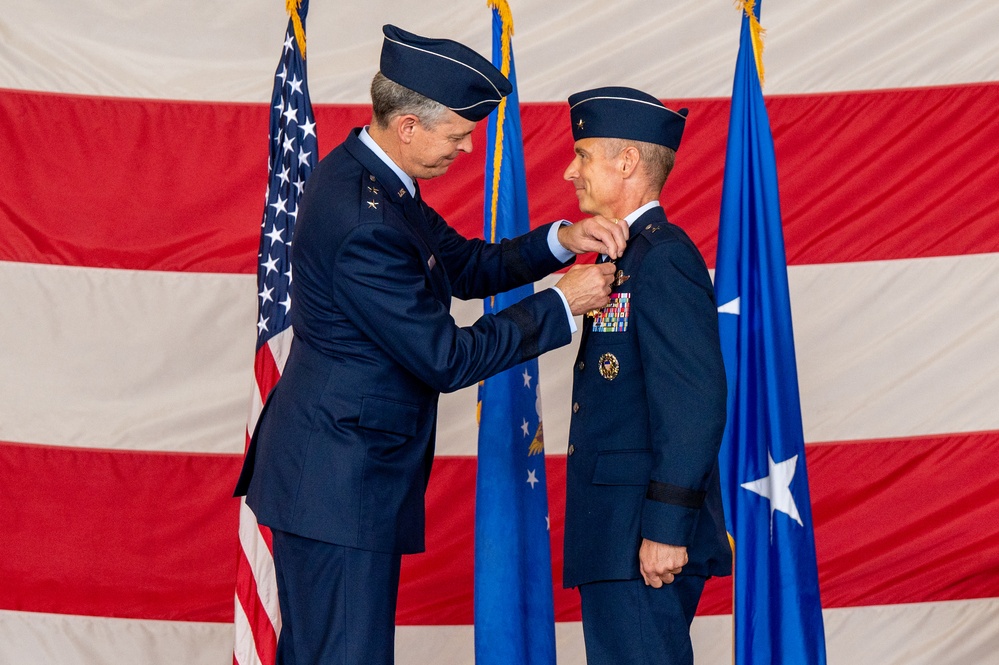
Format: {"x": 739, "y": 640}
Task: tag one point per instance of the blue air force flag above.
{"x": 778, "y": 614}
{"x": 514, "y": 609}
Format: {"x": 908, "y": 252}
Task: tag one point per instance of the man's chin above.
{"x": 436, "y": 171}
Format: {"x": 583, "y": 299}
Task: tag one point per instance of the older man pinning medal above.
{"x": 340, "y": 460}
{"x": 644, "y": 526}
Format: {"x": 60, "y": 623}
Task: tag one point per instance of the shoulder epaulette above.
{"x": 372, "y": 199}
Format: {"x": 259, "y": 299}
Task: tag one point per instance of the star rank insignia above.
{"x": 373, "y": 190}
{"x": 580, "y": 123}
{"x": 373, "y": 204}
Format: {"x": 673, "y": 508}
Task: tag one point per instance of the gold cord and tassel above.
{"x": 757, "y": 32}
{"x": 296, "y": 20}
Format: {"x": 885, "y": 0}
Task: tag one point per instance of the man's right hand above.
{"x": 595, "y": 234}
{"x": 587, "y": 287}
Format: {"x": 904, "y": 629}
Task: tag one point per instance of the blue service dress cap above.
{"x": 625, "y": 113}
{"x": 443, "y": 70}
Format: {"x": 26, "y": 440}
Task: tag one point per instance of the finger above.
{"x": 610, "y": 234}
{"x": 618, "y": 237}
{"x": 621, "y": 232}
{"x": 656, "y": 582}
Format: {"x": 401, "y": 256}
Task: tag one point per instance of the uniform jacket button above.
{"x": 581, "y": 366}
{"x": 572, "y": 449}
{"x": 575, "y": 407}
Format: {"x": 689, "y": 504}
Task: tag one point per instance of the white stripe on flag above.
{"x": 812, "y": 47}
{"x": 877, "y": 349}
{"x": 126, "y": 359}
{"x": 244, "y": 652}
{"x": 34, "y": 637}
{"x": 262, "y": 563}
{"x": 281, "y": 346}
{"x": 960, "y": 632}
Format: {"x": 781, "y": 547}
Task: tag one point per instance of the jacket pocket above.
{"x": 388, "y": 416}
{"x": 623, "y": 467}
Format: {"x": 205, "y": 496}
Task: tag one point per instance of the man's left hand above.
{"x": 595, "y": 234}
{"x": 659, "y": 562}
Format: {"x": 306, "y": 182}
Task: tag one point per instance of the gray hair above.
{"x": 658, "y": 159}
{"x": 390, "y": 100}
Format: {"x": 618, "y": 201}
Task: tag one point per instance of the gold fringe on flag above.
{"x": 296, "y": 20}
{"x": 503, "y": 8}
{"x": 506, "y": 16}
{"x": 757, "y": 32}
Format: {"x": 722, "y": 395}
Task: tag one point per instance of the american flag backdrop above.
{"x": 292, "y": 156}
{"x": 133, "y": 168}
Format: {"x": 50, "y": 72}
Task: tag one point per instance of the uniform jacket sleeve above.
{"x": 477, "y": 269}
{"x": 381, "y": 284}
{"x": 677, "y": 324}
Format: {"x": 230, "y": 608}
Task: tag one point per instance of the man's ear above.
{"x": 628, "y": 161}
{"x": 406, "y": 127}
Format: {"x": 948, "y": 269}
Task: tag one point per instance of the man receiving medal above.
{"x": 644, "y": 527}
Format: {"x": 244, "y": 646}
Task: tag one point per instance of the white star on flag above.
{"x": 275, "y": 235}
{"x": 776, "y": 486}
{"x": 527, "y": 379}
{"x": 532, "y": 479}
{"x": 525, "y": 427}
{"x": 731, "y": 307}
{"x": 265, "y": 295}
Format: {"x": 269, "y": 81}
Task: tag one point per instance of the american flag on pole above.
{"x": 293, "y": 148}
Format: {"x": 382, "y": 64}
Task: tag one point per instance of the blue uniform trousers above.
{"x": 337, "y": 603}
{"x": 626, "y": 622}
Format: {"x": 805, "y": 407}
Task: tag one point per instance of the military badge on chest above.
{"x": 614, "y": 317}
{"x": 608, "y": 366}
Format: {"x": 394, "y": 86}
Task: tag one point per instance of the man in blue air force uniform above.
{"x": 341, "y": 456}
{"x": 644, "y": 526}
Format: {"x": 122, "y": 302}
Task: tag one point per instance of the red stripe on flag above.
{"x": 863, "y": 176}
{"x": 118, "y": 534}
{"x": 906, "y": 520}
{"x": 266, "y": 371}
{"x": 143, "y": 535}
{"x": 876, "y": 506}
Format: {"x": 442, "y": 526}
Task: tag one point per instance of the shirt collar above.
{"x": 641, "y": 211}
{"x": 366, "y": 139}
